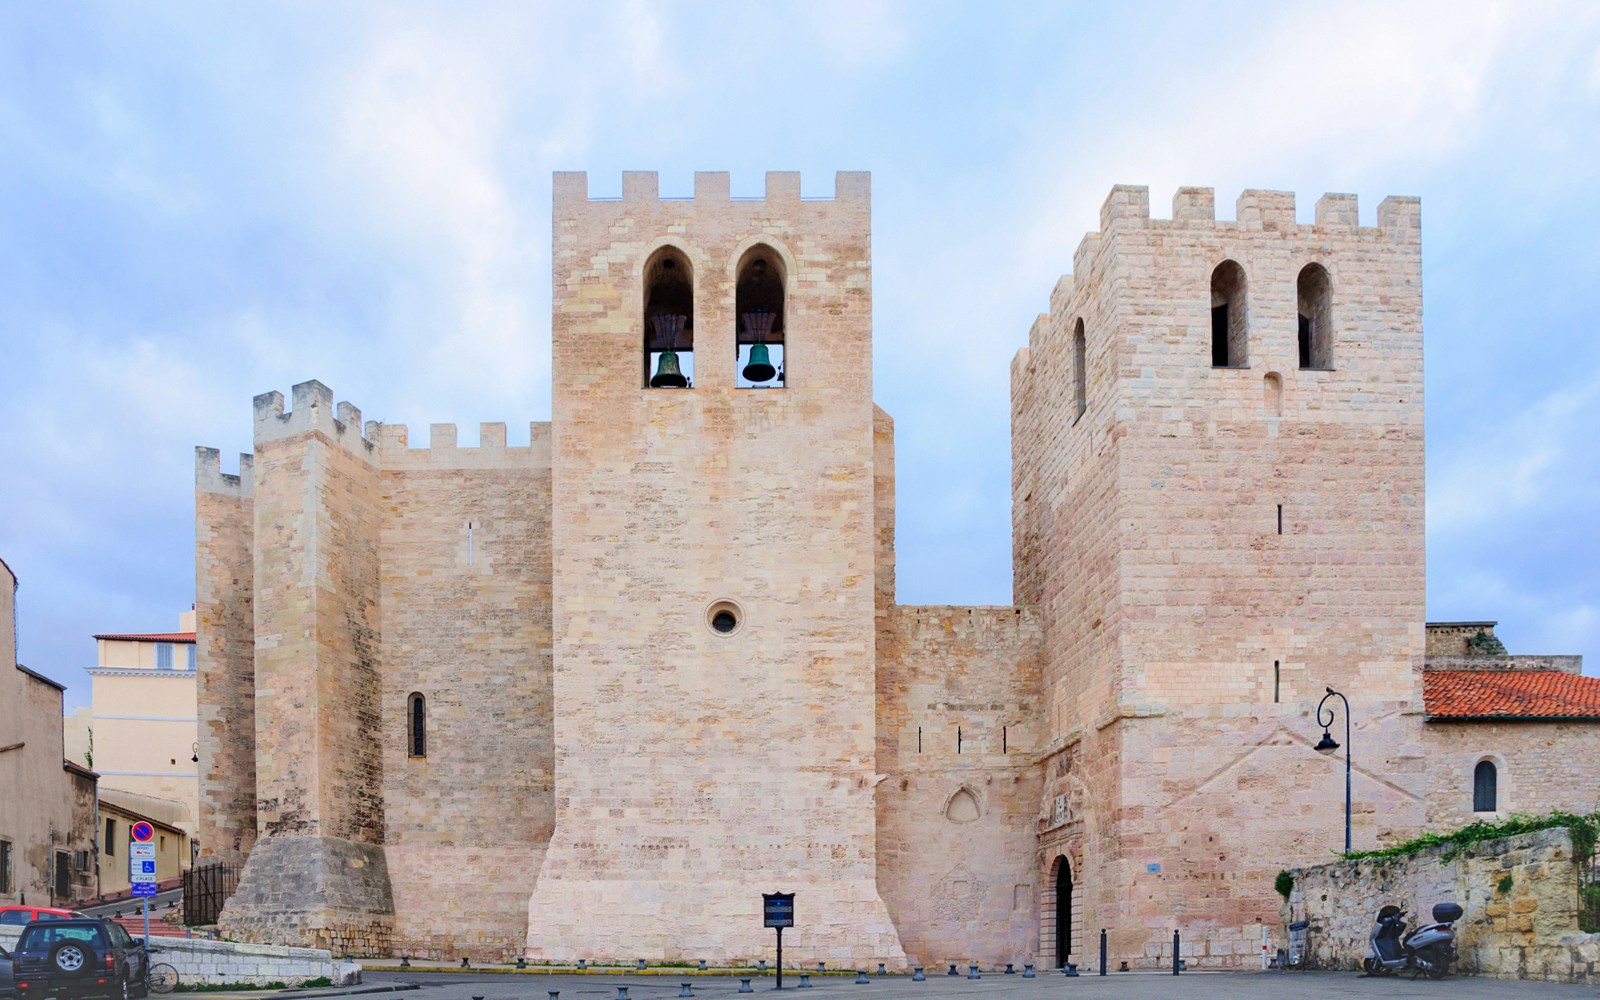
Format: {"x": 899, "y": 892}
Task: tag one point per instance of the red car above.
{"x": 16, "y": 916}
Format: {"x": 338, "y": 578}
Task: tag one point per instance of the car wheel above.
{"x": 70, "y": 958}
{"x": 127, "y": 992}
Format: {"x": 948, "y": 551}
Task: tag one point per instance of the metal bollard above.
{"x": 805, "y": 980}
{"x": 622, "y": 993}
{"x": 881, "y": 970}
{"x": 1009, "y": 970}
{"x": 641, "y": 963}
{"x": 1071, "y": 970}
{"x": 744, "y": 986}
{"x": 821, "y": 966}
{"x": 583, "y": 963}
{"x": 1102, "y": 951}
{"x": 972, "y": 971}
{"x": 861, "y": 977}
{"x": 917, "y": 976}
{"x": 405, "y": 962}
{"x": 522, "y": 963}
{"x": 685, "y": 991}
{"x": 554, "y": 994}
{"x": 464, "y": 963}
{"x": 702, "y": 965}
{"x": 1174, "y": 952}
{"x": 952, "y": 971}
{"x": 1027, "y": 971}
{"x": 761, "y": 966}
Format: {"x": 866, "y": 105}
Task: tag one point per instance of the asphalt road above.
{"x": 536, "y": 986}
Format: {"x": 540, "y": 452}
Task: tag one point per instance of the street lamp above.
{"x": 1328, "y": 745}
{"x": 194, "y": 752}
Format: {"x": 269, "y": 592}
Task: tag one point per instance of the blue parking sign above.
{"x": 148, "y": 867}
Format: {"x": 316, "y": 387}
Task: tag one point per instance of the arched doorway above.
{"x": 1063, "y": 911}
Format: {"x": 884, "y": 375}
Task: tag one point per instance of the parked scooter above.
{"x": 1429, "y": 949}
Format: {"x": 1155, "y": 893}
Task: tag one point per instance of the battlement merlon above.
{"x": 209, "y": 477}
{"x": 710, "y": 187}
{"x": 1256, "y": 211}
{"x": 444, "y": 451}
{"x": 312, "y": 410}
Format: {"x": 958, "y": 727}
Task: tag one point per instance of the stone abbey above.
{"x": 540, "y": 701}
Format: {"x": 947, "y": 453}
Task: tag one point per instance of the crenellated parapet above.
{"x": 209, "y": 477}
{"x": 640, "y": 187}
{"x": 443, "y": 452}
{"x": 312, "y": 411}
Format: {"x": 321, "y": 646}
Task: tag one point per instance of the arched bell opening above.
{"x": 668, "y": 320}
{"x": 1314, "y": 293}
{"x": 1229, "y": 317}
{"x": 759, "y": 315}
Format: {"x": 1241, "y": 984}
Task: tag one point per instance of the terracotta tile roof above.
{"x": 149, "y": 636}
{"x": 1510, "y": 694}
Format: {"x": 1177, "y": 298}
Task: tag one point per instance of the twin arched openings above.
{"x": 1230, "y": 317}
{"x": 760, "y": 285}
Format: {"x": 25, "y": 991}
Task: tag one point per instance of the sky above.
{"x": 202, "y": 202}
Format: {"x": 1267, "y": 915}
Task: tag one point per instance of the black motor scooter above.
{"x": 1429, "y": 949}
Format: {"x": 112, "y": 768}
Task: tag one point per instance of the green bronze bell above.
{"x": 759, "y": 368}
{"x": 668, "y": 375}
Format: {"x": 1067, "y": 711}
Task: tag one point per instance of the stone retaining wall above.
{"x": 218, "y": 963}
{"x": 1520, "y": 895}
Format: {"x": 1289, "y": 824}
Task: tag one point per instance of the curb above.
{"x": 489, "y": 970}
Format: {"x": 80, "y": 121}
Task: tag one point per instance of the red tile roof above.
{"x": 1510, "y": 694}
{"x": 149, "y": 636}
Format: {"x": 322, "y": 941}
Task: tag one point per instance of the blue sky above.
{"x": 202, "y": 202}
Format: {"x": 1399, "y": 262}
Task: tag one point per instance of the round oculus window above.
{"x": 724, "y": 617}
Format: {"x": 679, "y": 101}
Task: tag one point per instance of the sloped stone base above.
{"x": 313, "y": 892}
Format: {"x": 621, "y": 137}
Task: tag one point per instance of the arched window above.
{"x": 1080, "y": 376}
{"x": 759, "y": 316}
{"x": 668, "y": 320}
{"x": 1315, "y": 294}
{"x": 1229, "y": 317}
{"x": 1485, "y": 795}
{"x": 417, "y": 718}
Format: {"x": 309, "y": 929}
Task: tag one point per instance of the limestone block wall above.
{"x": 695, "y": 770}
{"x": 466, "y": 595}
{"x": 1520, "y": 895}
{"x": 1539, "y": 765}
{"x": 224, "y": 578}
{"x": 317, "y": 874}
{"x": 1222, "y": 542}
{"x": 958, "y": 803}
{"x": 1222, "y": 799}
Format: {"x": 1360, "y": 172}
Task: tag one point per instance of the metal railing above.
{"x": 205, "y": 889}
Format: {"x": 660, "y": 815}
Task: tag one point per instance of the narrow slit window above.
{"x": 469, "y": 543}
{"x": 418, "y": 725}
{"x": 1229, "y": 316}
{"x": 1314, "y": 291}
{"x": 759, "y": 300}
{"x": 919, "y": 739}
{"x": 1277, "y": 681}
{"x": 1080, "y": 377}
{"x": 1004, "y": 739}
{"x": 1280, "y": 518}
{"x": 958, "y": 739}
{"x": 668, "y": 320}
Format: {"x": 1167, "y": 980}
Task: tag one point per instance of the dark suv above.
{"x": 78, "y": 958}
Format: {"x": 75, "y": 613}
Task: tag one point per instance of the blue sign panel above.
{"x": 144, "y": 888}
{"x": 777, "y": 909}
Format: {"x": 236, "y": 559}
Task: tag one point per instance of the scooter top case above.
{"x": 1446, "y": 913}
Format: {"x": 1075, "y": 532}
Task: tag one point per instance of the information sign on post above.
{"x": 777, "y": 911}
{"x": 142, "y": 869}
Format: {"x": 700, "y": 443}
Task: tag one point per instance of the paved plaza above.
{"x": 535, "y": 986}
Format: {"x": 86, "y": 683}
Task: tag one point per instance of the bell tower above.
{"x": 714, "y": 575}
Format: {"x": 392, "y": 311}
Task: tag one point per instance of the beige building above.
{"x": 119, "y": 811}
{"x": 140, "y": 727}
{"x": 549, "y": 700}
{"x": 47, "y": 803}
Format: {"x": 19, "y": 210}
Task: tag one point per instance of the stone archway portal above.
{"x": 1063, "y": 911}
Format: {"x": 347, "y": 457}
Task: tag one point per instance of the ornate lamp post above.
{"x": 1328, "y": 745}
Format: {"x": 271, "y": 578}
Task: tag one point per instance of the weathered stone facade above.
{"x": 611, "y": 771}
{"x": 1520, "y": 895}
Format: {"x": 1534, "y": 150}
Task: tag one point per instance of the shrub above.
{"x": 1284, "y": 883}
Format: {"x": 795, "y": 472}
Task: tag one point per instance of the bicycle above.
{"x": 159, "y": 977}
